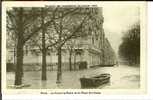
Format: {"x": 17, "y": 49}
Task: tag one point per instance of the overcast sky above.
{"x": 118, "y": 19}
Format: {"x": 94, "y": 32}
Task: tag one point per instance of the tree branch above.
{"x": 39, "y": 28}
{"x": 73, "y": 35}
{"x": 52, "y": 44}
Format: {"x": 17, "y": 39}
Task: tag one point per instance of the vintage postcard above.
{"x": 74, "y": 47}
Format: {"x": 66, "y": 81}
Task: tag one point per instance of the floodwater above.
{"x": 122, "y": 77}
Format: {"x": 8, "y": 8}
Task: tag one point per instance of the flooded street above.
{"x": 122, "y": 77}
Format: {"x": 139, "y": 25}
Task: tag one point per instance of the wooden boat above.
{"x": 95, "y": 81}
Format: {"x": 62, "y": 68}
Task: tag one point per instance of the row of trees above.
{"x": 46, "y": 28}
{"x": 130, "y": 46}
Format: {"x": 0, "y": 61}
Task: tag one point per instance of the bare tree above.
{"x": 130, "y": 46}
{"x": 17, "y": 25}
{"x": 71, "y": 26}
{"x": 68, "y": 23}
{"x": 22, "y": 24}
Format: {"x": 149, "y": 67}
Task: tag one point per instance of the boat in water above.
{"x": 95, "y": 81}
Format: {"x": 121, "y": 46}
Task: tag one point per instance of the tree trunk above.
{"x": 20, "y": 44}
{"x": 14, "y": 56}
{"x": 43, "y": 77}
{"x": 19, "y": 65}
{"x": 59, "y": 70}
{"x": 74, "y": 61}
{"x": 70, "y": 57}
{"x": 51, "y": 64}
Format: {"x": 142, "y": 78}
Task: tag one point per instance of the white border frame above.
{"x": 104, "y": 95}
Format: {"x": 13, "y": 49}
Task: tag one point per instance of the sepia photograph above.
{"x": 74, "y": 46}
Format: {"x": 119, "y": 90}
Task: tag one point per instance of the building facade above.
{"x": 93, "y": 49}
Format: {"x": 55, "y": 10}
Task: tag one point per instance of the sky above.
{"x": 118, "y": 19}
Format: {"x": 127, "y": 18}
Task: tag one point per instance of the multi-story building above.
{"x": 94, "y": 49}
